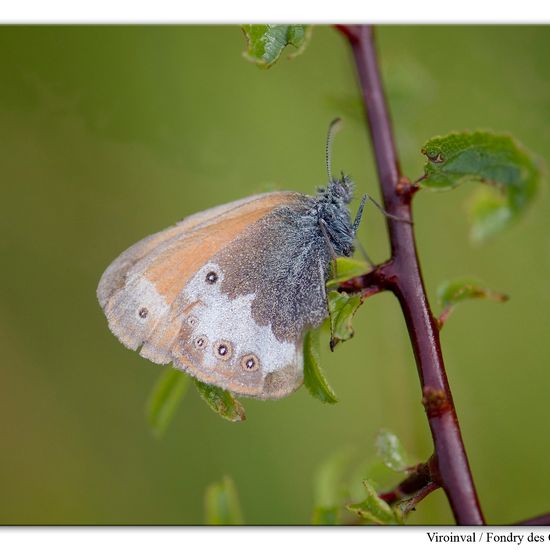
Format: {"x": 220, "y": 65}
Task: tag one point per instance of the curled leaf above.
{"x": 164, "y": 399}
{"x": 375, "y": 509}
{"x": 342, "y": 308}
{"x": 221, "y": 402}
{"x": 391, "y": 451}
{"x": 375, "y": 469}
{"x": 451, "y": 293}
{"x": 512, "y": 173}
{"x": 265, "y": 43}
{"x": 222, "y": 504}
{"x": 314, "y": 379}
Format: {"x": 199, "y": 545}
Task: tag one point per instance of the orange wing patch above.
{"x": 115, "y": 276}
{"x": 175, "y": 265}
{"x": 139, "y": 290}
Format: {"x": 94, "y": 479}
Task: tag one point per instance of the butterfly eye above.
{"x": 250, "y": 363}
{"x": 211, "y": 277}
{"x": 223, "y": 350}
{"x": 143, "y": 312}
{"x": 200, "y": 342}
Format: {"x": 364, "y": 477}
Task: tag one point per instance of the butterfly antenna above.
{"x": 334, "y": 126}
{"x": 356, "y": 223}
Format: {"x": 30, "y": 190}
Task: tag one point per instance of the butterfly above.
{"x": 227, "y": 295}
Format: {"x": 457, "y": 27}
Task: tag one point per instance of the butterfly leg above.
{"x": 386, "y": 214}
{"x": 322, "y": 223}
{"x": 359, "y": 214}
{"x": 325, "y": 295}
{"x": 365, "y": 255}
{"x": 333, "y": 255}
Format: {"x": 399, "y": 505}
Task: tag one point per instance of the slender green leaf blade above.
{"x": 221, "y": 402}
{"x": 374, "y": 509}
{"x": 511, "y": 171}
{"x": 391, "y": 451}
{"x": 329, "y": 486}
{"x": 342, "y": 308}
{"x": 164, "y": 399}
{"x": 346, "y": 269}
{"x": 314, "y": 379}
{"x": 450, "y": 293}
{"x": 265, "y": 43}
{"x": 330, "y": 490}
{"x": 222, "y": 505}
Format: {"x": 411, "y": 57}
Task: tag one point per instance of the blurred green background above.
{"x": 108, "y": 134}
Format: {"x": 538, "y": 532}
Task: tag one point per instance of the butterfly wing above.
{"x": 138, "y": 290}
{"x": 225, "y": 295}
{"x": 252, "y": 303}
{"x": 115, "y": 276}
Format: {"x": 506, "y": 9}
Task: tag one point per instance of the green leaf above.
{"x": 164, "y": 399}
{"x": 374, "y": 509}
{"x": 221, "y": 402}
{"x": 328, "y": 482}
{"x": 314, "y": 379}
{"x": 482, "y": 157}
{"x": 488, "y": 212}
{"x": 265, "y": 43}
{"x": 373, "y": 468}
{"x": 391, "y": 451}
{"x": 450, "y": 293}
{"x": 342, "y": 308}
{"x": 222, "y": 504}
{"x": 330, "y": 489}
{"x": 348, "y": 268}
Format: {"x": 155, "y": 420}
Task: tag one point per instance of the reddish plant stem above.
{"x": 418, "y": 482}
{"x": 403, "y": 277}
{"x": 538, "y": 520}
{"x": 410, "y": 504}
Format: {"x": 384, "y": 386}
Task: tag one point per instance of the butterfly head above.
{"x": 333, "y": 200}
{"x": 333, "y": 213}
{"x": 342, "y": 189}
